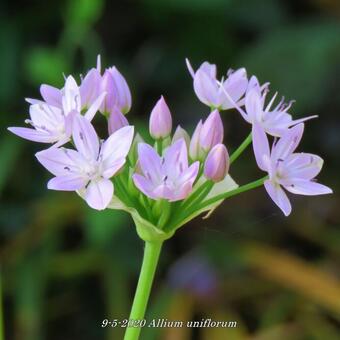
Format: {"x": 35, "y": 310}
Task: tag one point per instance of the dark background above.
{"x": 65, "y": 267}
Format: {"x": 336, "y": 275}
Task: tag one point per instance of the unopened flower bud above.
{"x": 181, "y": 133}
{"x": 107, "y": 85}
{"x": 118, "y": 93}
{"x": 90, "y": 88}
{"x": 116, "y": 121}
{"x": 160, "y": 120}
{"x": 195, "y": 147}
{"x": 123, "y": 94}
{"x": 216, "y": 165}
{"x": 212, "y": 131}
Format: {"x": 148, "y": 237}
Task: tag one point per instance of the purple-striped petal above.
{"x": 115, "y": 149}
{"x": 99, "y": 193}
{"x": 70, "y": 182}
{"x": 33, "y": 135}
{"x": 287, "y": 144}
{"x": 85, "y": 137}
{"x": 51, "y": 95}
{"x": 61, "y": 161}
{"x": 260, "y": 146}
{"x": 144, "y": 185}
{"x": 150, "y": 162}
{"x": 205, "y": 88}
{"x": 176, "y": 159}
{"x": 71, "y": 96}
{"x": 278, "y": 196}
{"x": 309, "y": 188}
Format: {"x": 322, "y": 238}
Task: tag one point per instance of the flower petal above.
{"x": 278, "y": 196}
{"x": 99, "y": 193}
{"x": 91, "y": 112}
{"x": 260, "y": 146}
{"x": 144, "y": 185}
{"x": 150, "y": 162}
{"x": 61, "y": 161}
{"x": 303, "y": 165}
{"x": 206, "y": 88}
{"x": 46, "y": 117}
{"x": 71, "y": 96}
{"x": 176, "y": 159}
{"x": 51, "y": 95}
{"x": 287, "y": 144}
{"x": 115, "y": 149}
{"x": 70, "y": 182}
{"x": 85, "y": 137}
{"x": 254, "y": 105}
{"x": 309, "y": 188}
{"x": 89, "y": 87}
{"x": 33, "y": 135}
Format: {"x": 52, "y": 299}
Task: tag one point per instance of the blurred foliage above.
{"x": 65, "y": 268}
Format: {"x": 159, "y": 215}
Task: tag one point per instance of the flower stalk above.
{"x": 150, "y": 260}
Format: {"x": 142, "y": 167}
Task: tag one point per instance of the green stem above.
{"x": 207, "y": 203}
{"x": 197, "y": 194}
{"x": 246, "y": 187}
{"x": 240, "y": 149}
{"x": 150, "y": 259}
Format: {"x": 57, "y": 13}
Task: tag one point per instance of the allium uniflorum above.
{"x": 169, "y": 181}
{"x": 169, "y": 177}
{"x": 293, "y": 171}
{"x": 91, "y": 166}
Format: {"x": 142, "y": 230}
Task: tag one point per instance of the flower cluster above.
{"x": 176, "y": 171}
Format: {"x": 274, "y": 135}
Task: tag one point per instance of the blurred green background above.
{"x": 65, "y": 268}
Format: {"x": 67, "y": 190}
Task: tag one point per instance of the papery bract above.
{"x": 293, "y": 171}
{"x": 91, "y": 166}
{"x": 169, "y": 177}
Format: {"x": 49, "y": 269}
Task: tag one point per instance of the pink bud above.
{"x": 89, "y": 88}
{"x": 216, "y": 165}
{"x": 212, "y": 131}
{"x": 116, "y": 121}
{"x": 160, "y": 120}
{"x": 181, "y": 133}
{"x": 108, "y": 86}
{"x": 123, "y": 94}
{"x": 195, "y": 148}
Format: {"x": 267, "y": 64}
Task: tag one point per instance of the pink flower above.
{"x": 275, "y": 121}
{"x": 208, "y": 88}
{"x": 216, "y": 165}
{"x": 169, "y": 177}
{"x": 293, "y": 171}
{"x": 52, "y": 124}
{"x": 90, "y": 167}
{"x": 160, "y": 123}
